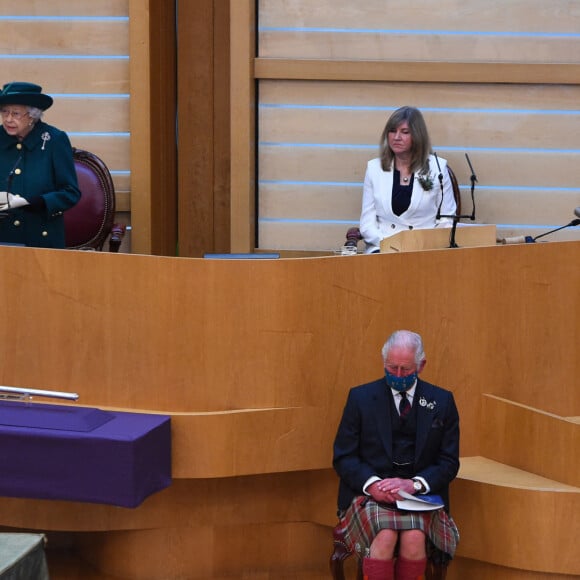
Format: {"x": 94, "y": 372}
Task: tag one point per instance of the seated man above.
{"x": 398, "y": 433}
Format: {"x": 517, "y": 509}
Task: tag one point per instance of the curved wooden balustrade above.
{"x": 253, "y": 360}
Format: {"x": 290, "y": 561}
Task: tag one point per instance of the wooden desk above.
{"x": 253, "y": 360}
{"x": 466, "y": 236}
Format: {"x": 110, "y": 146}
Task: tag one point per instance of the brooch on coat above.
{"x": 430, "y": 405}
{"x": 45, "y": 137}
{"x": 426, "y": 181}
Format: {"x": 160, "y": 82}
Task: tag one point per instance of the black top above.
{"x": 401, "y": 195}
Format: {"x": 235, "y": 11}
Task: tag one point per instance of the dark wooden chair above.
{"x": 91, "y": 221}
{"x": 353, "y": 235}
{"x": 340, "y": 552}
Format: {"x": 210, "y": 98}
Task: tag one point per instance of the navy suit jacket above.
{"x": 363, "y": 443}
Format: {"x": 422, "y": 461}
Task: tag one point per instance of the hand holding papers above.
{"x": 419, "y": 503}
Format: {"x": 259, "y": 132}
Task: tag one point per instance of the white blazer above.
{"x": 377, "y": 220}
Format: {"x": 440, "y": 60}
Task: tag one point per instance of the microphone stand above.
{"x": 473, "y": 179}
{"x": 455, "y": 217}
{"x": 5, "y": 214}
{"x": 9, "y": 181}
{"x": 440, "y": 176}
{"x": 573, "y": 223}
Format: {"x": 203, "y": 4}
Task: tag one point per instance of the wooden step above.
{"x": 484, "y": 470}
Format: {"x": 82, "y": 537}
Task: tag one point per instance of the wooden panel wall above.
{"x": 472, "y": 31}
{"x": 501, "y": 84}
{"x": 108, "y": 64}
{"x": 79, "y": 53}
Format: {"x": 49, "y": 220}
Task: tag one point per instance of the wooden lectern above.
{"x": 438, "y": 238}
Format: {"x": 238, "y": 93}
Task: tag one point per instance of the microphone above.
{"x": 573, "y": 223}
{"x": 530, "y": 240}
{"x": 473, "y": 176}
{"x": 473, "y": 180}
{"x": 10, "y": 179}
{"x": 438, "y": 216}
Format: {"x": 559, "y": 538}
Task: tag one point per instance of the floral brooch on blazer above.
{"x": 426, "y": 181}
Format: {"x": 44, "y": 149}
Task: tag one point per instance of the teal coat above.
{"x": 41, "y": 165}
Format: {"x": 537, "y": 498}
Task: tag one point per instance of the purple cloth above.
{"x": 25, "y": 414}
{"x": 120, "y": 462}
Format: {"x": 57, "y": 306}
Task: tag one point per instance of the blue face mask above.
{"x": 400, "y": 383}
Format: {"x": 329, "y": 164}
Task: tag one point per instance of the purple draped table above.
{"x": 82, "y": 454}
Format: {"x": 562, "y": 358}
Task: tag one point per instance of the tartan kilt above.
{"x": 364, "y": 518}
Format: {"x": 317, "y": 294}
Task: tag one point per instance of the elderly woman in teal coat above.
{"x": 38, "y": 181}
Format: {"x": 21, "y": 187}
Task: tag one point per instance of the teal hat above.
{"x": 28, "y": 94}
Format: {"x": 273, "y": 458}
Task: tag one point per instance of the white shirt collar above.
{"x": 410, "y": 394}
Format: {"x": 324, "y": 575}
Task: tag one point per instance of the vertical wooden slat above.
{"x": 222, "y": 218}
{"x": 153, "y": 152}
{"x": 140, "y": 129}
{"x": 203, "y": 120}
{"x": 162, "y": 37}
{"x": 243, "y": 132}
{"x": 196, "y": 125}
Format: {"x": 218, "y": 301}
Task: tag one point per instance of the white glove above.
{"x": 11, "y": 201}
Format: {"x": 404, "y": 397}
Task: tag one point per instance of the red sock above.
{"x": 410, "y": 569}
{"x": 374, "y": 569}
